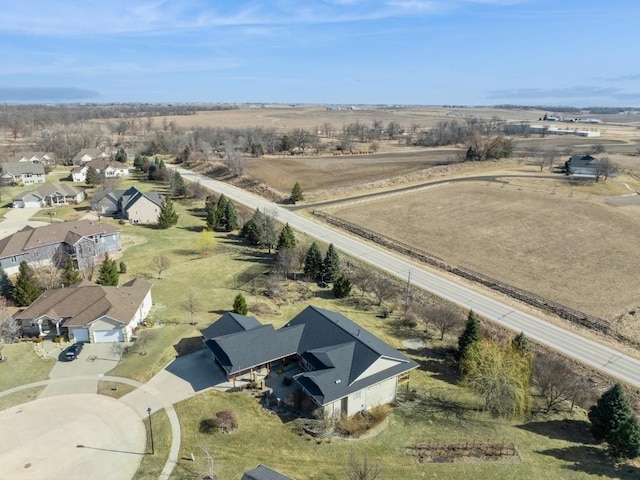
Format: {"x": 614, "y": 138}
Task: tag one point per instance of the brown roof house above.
{"x": 87, "y": 242}
{"x": 50, "y": 195}
{"x": 87, "y": 312}
{"x": 89, "y": 154}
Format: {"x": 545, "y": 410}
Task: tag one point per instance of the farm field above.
{"x": 575, "y": 251}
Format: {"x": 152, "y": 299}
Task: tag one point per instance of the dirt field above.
{"x": 578, "y": 252}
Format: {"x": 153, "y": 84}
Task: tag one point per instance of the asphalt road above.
{"x": 587, "y": 351}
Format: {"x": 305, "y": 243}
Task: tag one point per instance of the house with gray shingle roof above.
{"x": 22, "y": 173}
{"x": 262, "y": 472}
{"x": 46, "y": 158}
{"x": 130, "y": 204}
{"x": 50, "y": 195}
{"x": 346, "y": 369}
{"x": 87, "y": 242}
{"x": 87, "y": 154}
{"x": 88, "y": 312}
{"x": 582, "y": 165}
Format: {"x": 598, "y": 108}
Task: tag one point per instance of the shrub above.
{"x": 286, "y": 381}
{"x": 362, "y": 422}
{"x": 226, "y": 421}
{"x": 123, "y": 267}
{"x": 57, "y": 339}
{"x": 39, "y": 339}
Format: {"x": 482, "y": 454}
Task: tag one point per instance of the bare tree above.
{"x": 604, "y": 169}
{"x": 361, "y": 277}
{"x": 555, "y": 380}
{"x": 191, "y": 305}
{"x": 364, "y": 469}
{"x": 9, "y": 328}
{"x": 549, "y": 157}
{"x": 383, "y": 288}
{"x": 235, "y": 161}
{"x": 209, "y": 470}
{"x": 159, "y": 263}
{"x": 286, "y": 261}
{"x": 444, "y": 319}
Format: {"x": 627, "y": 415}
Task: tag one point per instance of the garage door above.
{"x": 80, "y": 334}
{"x": 105, "y": 336}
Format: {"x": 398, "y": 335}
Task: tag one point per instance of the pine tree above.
{"x": 471, "y": 334}
{"x": 287, "y": 238}
{"x": 313, "y": 261}
{"x": 122, "y": 268}
{"x": 609, "y": 412}
{"x": 342, "y": 286}
{"x": 93, "y": 177}
{"x": 331, "y": 264}
{"x": 521, "y": 343}
{"x": 240, "y": 305}
{"x": 177, "y": 185}
{"x": 6, "y": 287}
{"x": 108, "y": 275}
{"x": 27, "y": 288}
{"x": 121, "y": 156}
{"x": 296, "y": 194}
{"x": 210, "y": 211}
{"x": 220, "y": 212}
{"x": 231, "y": 217}
{"x": 624, "y": 441}
{"x": 168, "y": 216}
{"x": 69, "y": 276}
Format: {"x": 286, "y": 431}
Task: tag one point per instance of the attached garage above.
{"x": 108, "y": 336}
{"x": 79, "y": 334}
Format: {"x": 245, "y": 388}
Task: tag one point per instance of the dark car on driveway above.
{"x": 73, "y": 351}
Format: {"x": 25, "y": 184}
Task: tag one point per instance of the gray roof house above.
{"x": 262, "y": 472}
{"x": 50, "y": 194}
{"x": 130, "y": 204}
{"x": 87, "y": 242}
{"x": 346, "y": 369}
{"x": 584, "y": 165}
{"x": 88, "y": 154}
{"x": 88, "y": 312}
{"x": 22, "y": 173}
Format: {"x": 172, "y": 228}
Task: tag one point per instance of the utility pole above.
{"x": 407, "y": 294}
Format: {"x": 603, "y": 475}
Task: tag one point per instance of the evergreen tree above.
{"x": 220, "y": 212}
{"x": 168, "y": 216}
{"x": 139, "y": 161}
{"x": 521, "y": 343}
{"x": 69, "y": 276}
{"x": 121, "y": 156}
{"x": 93, "y": 177}
{"x": 231, "y": 217}
{"x": 210, "y": 211}
{"x": 296, "y": 194}
{"x": 287, "y": 238}
{"x": 624, "y": 441}
{"x": 471, "y": 334}
{"x": 27, "y": 288}
{"x": 240, "y": 305}
{"x": 123, "y": 267}
{"x": 108, "y": 275}
{"x": 313, "y": 261}
{"x": 609, "y": 412}
{"x": 331, "y": 264}
{"x": 6, "y": 287}
{"x": 178, "y": 186}
{"x": 342, "y": 286}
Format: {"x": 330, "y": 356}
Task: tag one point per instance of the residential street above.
{"x": 589, "y": 352}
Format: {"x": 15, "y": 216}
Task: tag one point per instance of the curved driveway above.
{"x": 589, "y": 352}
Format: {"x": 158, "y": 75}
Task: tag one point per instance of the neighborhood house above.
{"x": 131, "y": 204}
{"x": 87, "y": 242}
{"x": 50, "y": 195}
{"x": 582, "y": 165}
{"x": 22, "y": 173}
{"x": 87, "y": 312}
{"x": 107, "y": 167}
{"x": 47, "y": 158}
{"x": 345, "y": 369}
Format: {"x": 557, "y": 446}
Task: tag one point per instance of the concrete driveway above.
{"x": 16, "y": 219}
{"x": 95, "y": 360}
{"x": 71, "y": 437}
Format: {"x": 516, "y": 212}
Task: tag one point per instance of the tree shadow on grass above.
{"x": 440, "y": 361}
{"x": 193, "y": 228}
{"x": 592, "y": 460}
{"x": 576, "y": 431}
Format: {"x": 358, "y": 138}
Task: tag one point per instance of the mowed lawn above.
{"x": 22, "y": 366}
{"x": 579, "y": 252}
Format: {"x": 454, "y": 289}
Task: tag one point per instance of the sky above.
{"x": 417, "y": 52}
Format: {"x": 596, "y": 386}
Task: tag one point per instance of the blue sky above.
{"x": 433, "y": 52}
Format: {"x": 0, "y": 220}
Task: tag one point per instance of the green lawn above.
{"x": 22, "y": 366}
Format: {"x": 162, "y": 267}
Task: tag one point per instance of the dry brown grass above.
{"x": 575, "y": 251}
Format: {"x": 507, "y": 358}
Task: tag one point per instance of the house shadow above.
{"x": 576, "y": 431}
{"x": 439, "y": 361}
{"x": 189, "y": 345}
{"x": 198, "y": 369}
{"x": 593, "y": 461}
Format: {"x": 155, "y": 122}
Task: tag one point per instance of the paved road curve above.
{"x": 584, "y": 350}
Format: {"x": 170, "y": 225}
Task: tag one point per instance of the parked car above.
{"x": 73, "y": 351}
